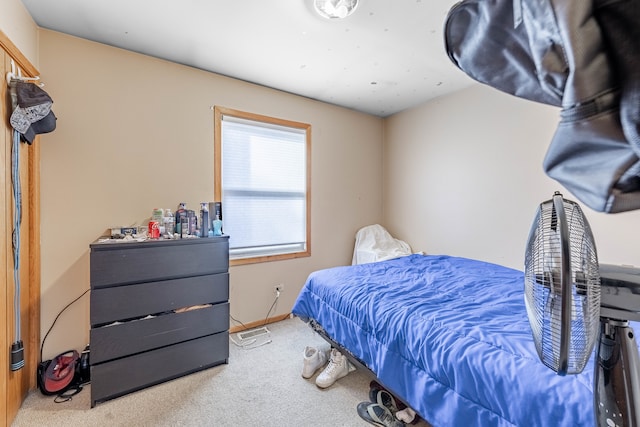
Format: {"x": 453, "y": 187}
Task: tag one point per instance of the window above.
{"x": 262, "y": 177}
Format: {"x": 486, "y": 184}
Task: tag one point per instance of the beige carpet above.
{"x": 259, "y": 387}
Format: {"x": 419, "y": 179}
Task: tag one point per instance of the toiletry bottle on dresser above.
{"x": 204, "y": 220}
{"x": 181, "y": 216}
{"x": 157, "y": 214}
{"x": 169, "y": 223}
{"x": 217, "y": 226}
{"x": 192, "y": 219}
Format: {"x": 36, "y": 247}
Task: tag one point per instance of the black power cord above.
{"x": 56, "y": 319}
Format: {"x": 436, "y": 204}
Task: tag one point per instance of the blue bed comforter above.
{"x": 450, "y": 336}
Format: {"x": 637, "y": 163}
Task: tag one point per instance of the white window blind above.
{"x": 264, "y": 187}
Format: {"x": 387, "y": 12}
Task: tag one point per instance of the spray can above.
{"x": 181, "y": 216}
{"x": 192, "y": 220}
{"x": 204, "y": 219}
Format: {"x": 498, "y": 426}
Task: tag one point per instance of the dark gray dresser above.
{"x": 159, "y": 310}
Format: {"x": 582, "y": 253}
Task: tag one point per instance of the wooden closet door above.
{"x": 6, "y": 279}
{"x": 14, "y": 385}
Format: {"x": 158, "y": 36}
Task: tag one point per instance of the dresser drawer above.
{"x": 125, "y": 263}
{"x": 130, "y": 301}
{"x": 118, "y": 377}
{"x": 136, "y": 336}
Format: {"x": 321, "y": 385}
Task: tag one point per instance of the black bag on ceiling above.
{"x": 582, "y": 56}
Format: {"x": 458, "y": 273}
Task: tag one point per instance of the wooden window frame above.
{"x": 219, "y": 112}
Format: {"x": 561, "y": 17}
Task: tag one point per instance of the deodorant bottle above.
{"x": 181, "y": 218}
{"x": 204, "y": 220}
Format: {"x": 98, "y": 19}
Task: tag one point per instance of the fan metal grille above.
{"x": 544, "y": 273}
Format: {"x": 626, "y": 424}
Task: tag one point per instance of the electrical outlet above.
{"x": 278, "y": 288}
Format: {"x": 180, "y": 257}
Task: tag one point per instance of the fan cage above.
{"x": 543, "y": 292}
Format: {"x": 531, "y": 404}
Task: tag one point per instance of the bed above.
{"x": 449, "y": 336}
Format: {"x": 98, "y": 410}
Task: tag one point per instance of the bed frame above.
{"x": 449, "y": 337}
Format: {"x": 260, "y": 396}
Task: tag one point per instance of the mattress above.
{"x": 450, "y": 337}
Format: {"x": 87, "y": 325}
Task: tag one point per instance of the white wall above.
{"x": 136, "y": 132}
{"x": 18, "y": 25}
{"x": 463, "y": 176}
{"x": 460, "y": 175}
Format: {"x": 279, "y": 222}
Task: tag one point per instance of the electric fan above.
{"x": 573, "y": 303}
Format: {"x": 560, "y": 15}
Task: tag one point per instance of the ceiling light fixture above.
{"x": 335, "y": 9}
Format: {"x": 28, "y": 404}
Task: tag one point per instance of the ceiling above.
{"x": 386, "y": 57}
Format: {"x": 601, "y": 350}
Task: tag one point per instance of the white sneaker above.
{"x": 314, "y": 359}
{"x": 337, "y": 368}
{"x": 406, "y": 415}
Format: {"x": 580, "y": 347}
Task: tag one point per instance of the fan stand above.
{"x": 617, "y": 363}
{"x": 609, "y": 297}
